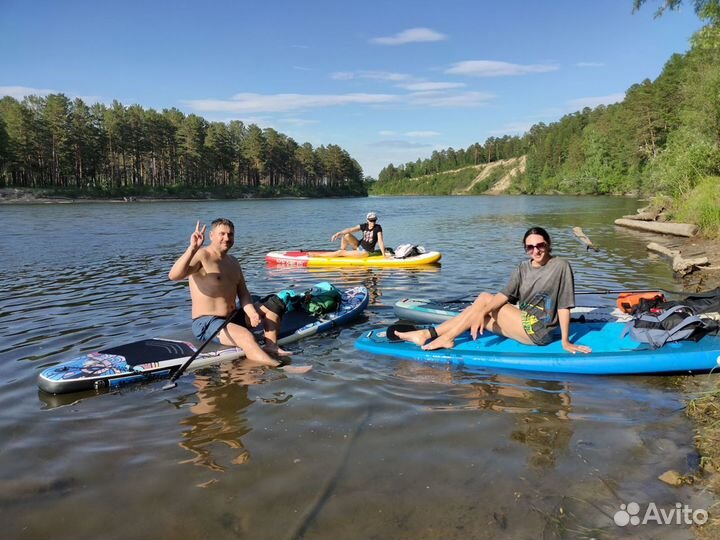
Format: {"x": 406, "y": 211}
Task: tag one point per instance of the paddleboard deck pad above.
{"x": 427, "y": 311}
{"x": 158, "y": 358}
{"x": 612, "y": 353}
{"x": 301, "y": 258}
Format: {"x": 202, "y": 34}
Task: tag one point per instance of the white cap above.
{"x": 371, "y": 215}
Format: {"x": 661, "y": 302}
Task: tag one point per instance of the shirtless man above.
{"x": 216, "y": 280}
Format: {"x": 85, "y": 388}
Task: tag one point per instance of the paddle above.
{"x": 181, "y": 370}
{"x": 622, "y": 291}
{"x": 605, "y": 291}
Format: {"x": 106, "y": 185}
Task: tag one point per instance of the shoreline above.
{"x": 140, "y": 199}
{"x": 703, "y": 403}
{"x": 18, "y": 196}
{"x": 702, "y": 406}
{"x": 705, "y": 278}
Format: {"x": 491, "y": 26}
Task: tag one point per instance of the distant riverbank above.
{"x": 41, "y": 196}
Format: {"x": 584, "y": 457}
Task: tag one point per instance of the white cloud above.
{"x": 397, "y": 143}
{"x": 590, "y": 64}
{"x": 422, "y": 133}
{"x": 592, "y": 102}
{"x": 464, "y": 99}
{"x": 19, "y": 92}
{"x": 411, "y": 35}
{"x": 302, "y": 68}
{"x": 431, "y": 86}
{"x": 411, "y": 134}
{"x": 379, "y": 75}
{"x": 297, "y": 121}
{"x": 490, "y": 68}
{"x": 254, "y": 103}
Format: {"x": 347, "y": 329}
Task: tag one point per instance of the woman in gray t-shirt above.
{"x": 543, "y": 289}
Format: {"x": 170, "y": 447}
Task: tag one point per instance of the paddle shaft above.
{"x": 621, "y": 291}
{"x": 606, "y": 291}
{"x": 181, "y": 369}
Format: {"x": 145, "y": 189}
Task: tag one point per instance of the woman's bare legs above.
{"x": 340, "y": 253}
{"x": 505, "y": 321}
{"x": 349, "y": 242}
{"x": 455, "y": 326}
{"x": 348, "y": 248}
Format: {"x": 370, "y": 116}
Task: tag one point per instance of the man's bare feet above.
{"x": 276, "y": 351}
{"x": 418, "y": 337}
{"x": 298, "y": 370}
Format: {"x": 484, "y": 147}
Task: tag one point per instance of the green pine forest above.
{"x": 662, "y": 141}
{"x": 66, "y": 147}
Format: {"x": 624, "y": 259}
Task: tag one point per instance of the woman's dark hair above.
{"x": 537, "y": 230}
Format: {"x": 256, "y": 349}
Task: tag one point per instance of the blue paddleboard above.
{"x": 612, "y": 354}
{"x": 153, "y": 358}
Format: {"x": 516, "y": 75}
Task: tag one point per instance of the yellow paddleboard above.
{"x": 301, "y": 258}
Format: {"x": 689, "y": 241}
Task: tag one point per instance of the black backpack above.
{"x": 705, "y": 302}
{"x": 676, "y": 323}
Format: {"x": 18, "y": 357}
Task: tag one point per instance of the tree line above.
{"x": 55, "y": 142}
{"x": 662, "y": 139}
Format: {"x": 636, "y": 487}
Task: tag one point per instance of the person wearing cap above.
{"x": 350, "y": 246}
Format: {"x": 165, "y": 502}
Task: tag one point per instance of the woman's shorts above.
{"x": 535, "y": 329}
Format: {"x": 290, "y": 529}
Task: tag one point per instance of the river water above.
{"x": 361, "y": 447}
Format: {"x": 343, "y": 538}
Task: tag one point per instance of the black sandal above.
{"x": 393, "y": 329}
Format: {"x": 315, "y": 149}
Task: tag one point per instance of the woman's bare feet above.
{"x": 418, "y": 337}
{"x": 441, "y": 342}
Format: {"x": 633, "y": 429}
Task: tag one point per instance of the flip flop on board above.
{"x": 393, "y": 329}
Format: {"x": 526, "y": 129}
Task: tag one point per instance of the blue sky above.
{"x": 387, "y": 81}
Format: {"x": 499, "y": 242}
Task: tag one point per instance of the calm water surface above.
{"x": 362, "y": 447}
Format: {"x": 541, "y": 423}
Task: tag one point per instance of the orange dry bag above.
{"x": 627, "y": 302}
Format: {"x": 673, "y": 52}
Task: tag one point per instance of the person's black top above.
{"x": 370, "y": 236}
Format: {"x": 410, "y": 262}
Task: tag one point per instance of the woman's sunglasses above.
{"x": 541, "y": 247}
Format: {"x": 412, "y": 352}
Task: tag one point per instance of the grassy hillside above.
{"x": 469, "y": 180}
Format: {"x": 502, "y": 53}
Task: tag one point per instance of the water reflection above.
{"x": 218, "y": 422}
{"x": 541, "y": 409}
{"x": 547, "y": 429}
{"x": 54, "y": 401}
{"x": 541, "y": 412}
